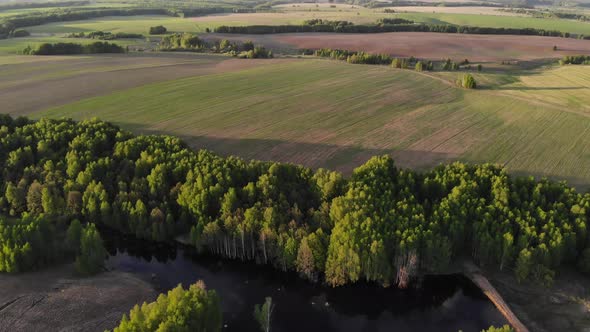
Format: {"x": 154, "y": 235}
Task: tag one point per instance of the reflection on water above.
{"x": 438, "y": 303}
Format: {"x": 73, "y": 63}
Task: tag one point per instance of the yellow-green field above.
{"x": 331, "y": 114}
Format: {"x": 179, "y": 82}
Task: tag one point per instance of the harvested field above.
{"x": 56, "y": 300}
{"x": 61, "y": 80}
{"x": 323, "y": 113}
{"x": 427, "y": 45}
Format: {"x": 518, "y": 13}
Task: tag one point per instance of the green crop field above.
{"x": 331, "y": 114}
{"x": 494, "y": 21}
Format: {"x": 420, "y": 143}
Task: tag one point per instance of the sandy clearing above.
{"x": 56, "y": 300}
{"x": 428, "y": 45}
{"x": 108, "y": 75}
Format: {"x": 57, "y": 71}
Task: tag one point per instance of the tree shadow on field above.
{"x": 343, "y": 158}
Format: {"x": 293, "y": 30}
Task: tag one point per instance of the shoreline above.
{"x": 474, "y": 274}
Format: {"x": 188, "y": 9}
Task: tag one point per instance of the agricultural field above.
{"x": 297, "y": 15}
{"x": 500, "y": 21}
{"x": 510, "y": 100}
{"x": 351, "y": 112}
{"x": 425, "y": 45}
{"x": 59, "y": 80}
{"x": 454, "y": 10}
{"x": 130, "y": 24}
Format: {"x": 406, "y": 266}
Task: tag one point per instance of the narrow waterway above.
{"x": 438, "y": 303}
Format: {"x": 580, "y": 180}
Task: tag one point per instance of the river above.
{"x": 437, "y": 303}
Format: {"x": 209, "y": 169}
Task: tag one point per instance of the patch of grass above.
{"x": 318, "y": 112}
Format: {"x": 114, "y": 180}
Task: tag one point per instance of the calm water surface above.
{"x": 438, "y": 303}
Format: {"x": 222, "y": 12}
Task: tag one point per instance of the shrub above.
{"x": 467, "y": 82}
{"x": 419, "y": 66}
{"x": 158, "y": 30}
{"x": 181, "y": 41}
{"x": 258, "y": 52}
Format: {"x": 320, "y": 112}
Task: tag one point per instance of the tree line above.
{"x": 382, "y": 224}
{"x": 73, "y": 48}
{"x": 105, "y": 35}
{"x": 192, "y": 42}
{"x": 379, "y": 4}
{"x": 360, "y": 57}
{"x": 381, "y": 28}
{"x": 575, "y": 60}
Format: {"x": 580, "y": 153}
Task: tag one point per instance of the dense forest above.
{"x": 382, "y": 224}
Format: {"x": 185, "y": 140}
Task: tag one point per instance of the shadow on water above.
{"x": 437, "y": 303}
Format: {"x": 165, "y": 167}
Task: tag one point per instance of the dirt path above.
{"x": 56, "y": 300}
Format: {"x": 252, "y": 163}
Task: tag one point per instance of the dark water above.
{"x": 438, "y": 303}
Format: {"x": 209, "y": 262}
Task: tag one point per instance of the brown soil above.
{"x": 57, "y": 300}
{"x": 428, "y": 45}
